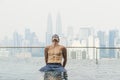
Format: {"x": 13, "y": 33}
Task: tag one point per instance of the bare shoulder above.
{"x": 47, "y": 47}
{"x": 63, "y": 47}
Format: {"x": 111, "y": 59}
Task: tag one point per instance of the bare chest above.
{"x": 55, "y": 51}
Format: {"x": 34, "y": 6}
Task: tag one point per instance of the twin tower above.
{"x": 58, "y": 29}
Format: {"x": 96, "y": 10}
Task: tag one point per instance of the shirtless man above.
{"x": 55, "y": 57}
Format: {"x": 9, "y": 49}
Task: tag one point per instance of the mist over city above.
{"x": 88, "y": 29}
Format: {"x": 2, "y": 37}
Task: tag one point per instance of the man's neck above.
{"x": 55, "y": 44}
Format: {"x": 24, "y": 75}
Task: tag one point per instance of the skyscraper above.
{"x": 84, "y": 33}
{"x": 17, "y": 39}
{"x": 117, "y": 44}
{"x": 102, "y": 38}
{"x": 91, "y": 43}
{"x": 69, "y": 35}
{"x": 49, "y": 32}
{"x": 112, "y": 36}
{"x": 28, "y": 36}
{"x": 58, "y": 25}
{"x": 70, "y": 32}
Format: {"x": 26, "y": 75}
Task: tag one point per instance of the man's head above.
{"x": 55, "y": 38}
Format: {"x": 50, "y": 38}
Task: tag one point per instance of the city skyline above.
{"x": 88, "y": 44}
{"x": 58, "y": 28}
{"x": 83, "y": 34}
{"x": 103, "y": 14}
{"x": 86, "y": 39}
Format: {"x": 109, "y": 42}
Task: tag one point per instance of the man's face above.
{"x": 55, "y": 40}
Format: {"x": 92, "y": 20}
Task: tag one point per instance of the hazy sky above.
{"x": 20, "y": 14}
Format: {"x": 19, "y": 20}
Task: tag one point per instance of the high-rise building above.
{"x": 29, "y": 36}
{"x": 29, "y": 39}
{"x": 112, "y": 36}
{"x": 58, "y": 25}
{"x": 78, "y": 53}
{"x": 97, "y": 51}
{"x": 102, "y": 38}
{"x": 117, "y": 44}
{"x": 91, "y": 43}
{"x": 49, "y": 32}
{"x": 75, "y": 53}
{"x": 69, "y": 35}
{"x": 17, "y": 39}
{"x": 84, "y": 33}
{"x": 35, "y": 42}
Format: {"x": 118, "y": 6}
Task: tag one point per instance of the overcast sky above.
{"x": 20, "y": 14}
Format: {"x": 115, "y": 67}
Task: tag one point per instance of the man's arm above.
{"x": 64, "y": 56}
{"x": 46, "y": 54}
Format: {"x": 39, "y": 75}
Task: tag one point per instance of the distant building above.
{"x": 112, "y": 37}
{"x": 117, "y": 44}
{"x": 17, "y": 39}
{"x": 84, "y": 33}
{"x": 35, "y": 51}
{"x": 91, "y": 43}
{"x": 59, "y": 25}
{"x": 49, "y": 32}
{"x": 77, "y": 53}
{"x": 97, "y": 52}
{"x": 29, "y": 36}
{"x": 117, "y": 51}
{"x": 70, "y": 35}
{"x": 102, "y": 38}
